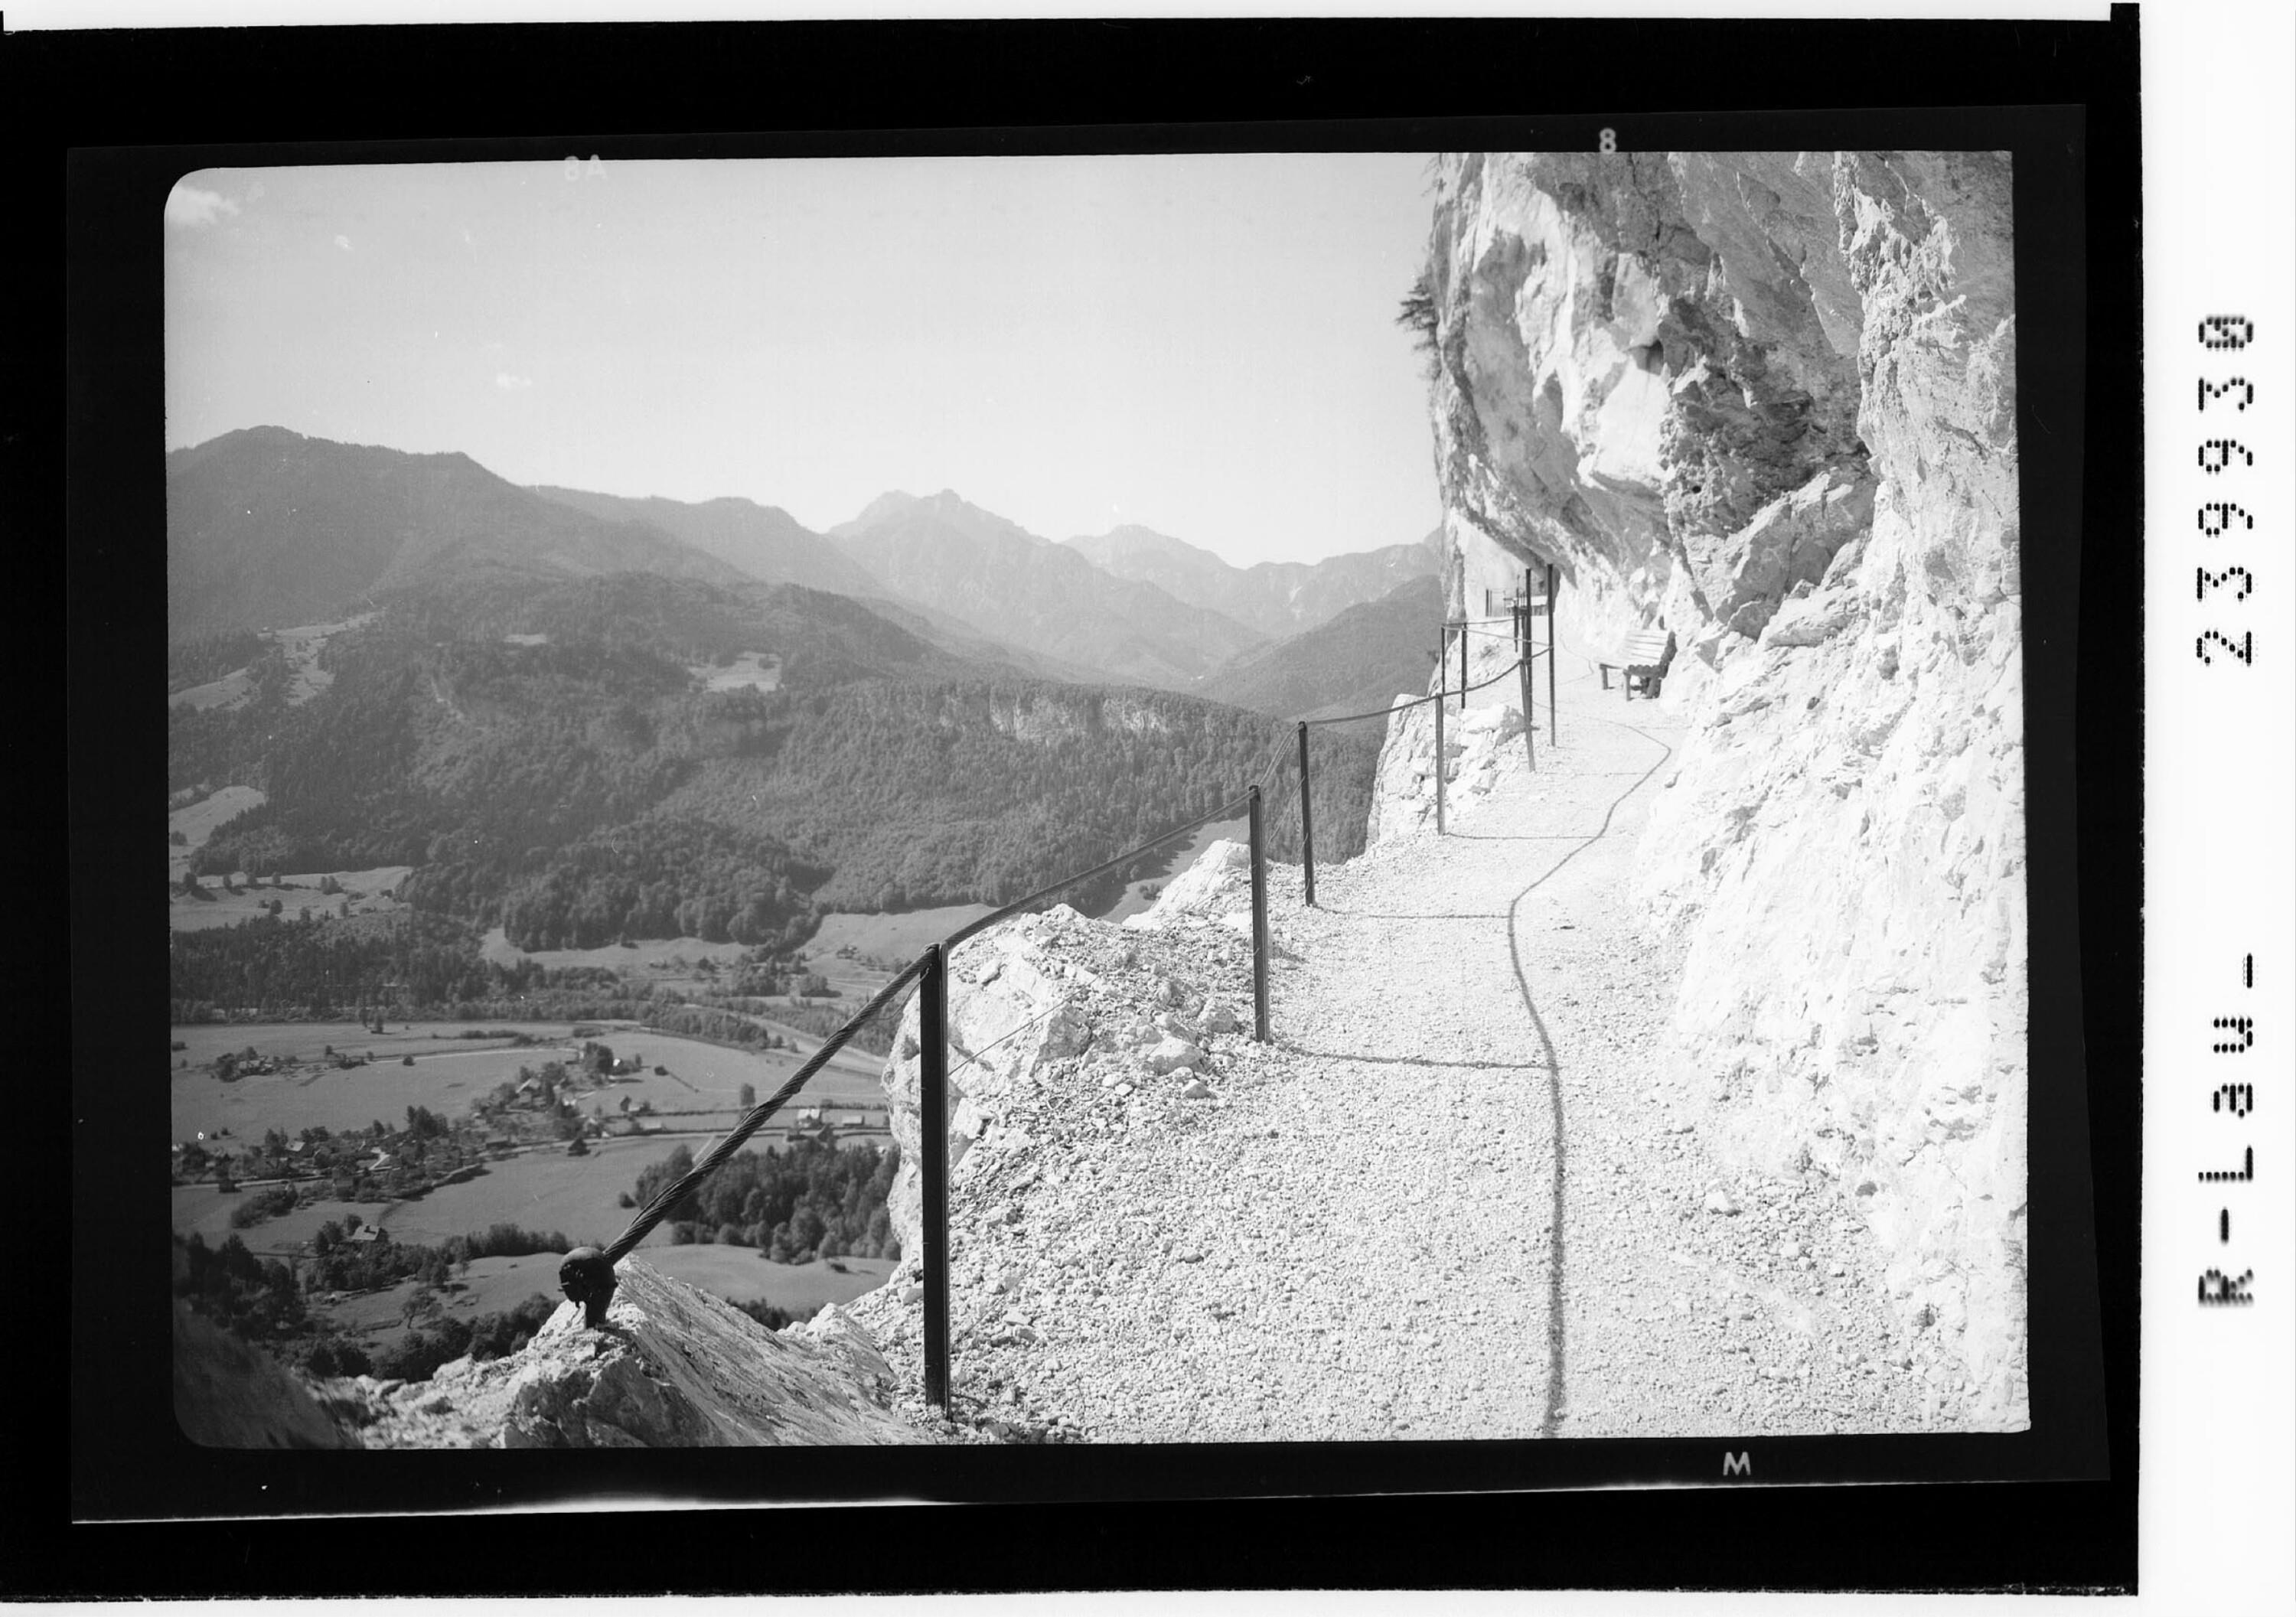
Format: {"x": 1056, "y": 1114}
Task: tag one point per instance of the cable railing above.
{"x": 586, "y": 1276}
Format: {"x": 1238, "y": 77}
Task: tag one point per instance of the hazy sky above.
{"x": 1204, "y": 345}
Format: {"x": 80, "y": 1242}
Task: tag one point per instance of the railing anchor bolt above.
{"x": 588, "y": 1277}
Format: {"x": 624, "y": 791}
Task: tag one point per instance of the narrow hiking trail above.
{"x": 1455, "y": 1197}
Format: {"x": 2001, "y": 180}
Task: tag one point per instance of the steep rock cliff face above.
{"x": 1769, "y": 399}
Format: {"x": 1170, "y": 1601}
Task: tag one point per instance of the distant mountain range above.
{"x": 268, "y": 528}
{"x": 1278, "y": 599}
{"x": 1358, "y": 661}
{"x": 1031, "y": 593}
{"x": 769, "y": 545}
{"x": 763, "y": 541}
{"x": 584, "y": 718}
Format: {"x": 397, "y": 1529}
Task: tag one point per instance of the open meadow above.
{"x": 752, "y": 671}
{"x": 196, "y": 821}
{"x": 541, "y": 1190}
{"x": 544, "y": 1191}
{"x": 364, "y": 889}
{"x": 450, "y": 1072}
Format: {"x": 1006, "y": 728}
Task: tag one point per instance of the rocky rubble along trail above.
{"x": 1454, "y": 1198}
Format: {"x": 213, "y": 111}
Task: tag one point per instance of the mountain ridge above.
{"x": 763, "y": 541}
{"x": 1357, "y": 661}
{"x": 267, "y": 526}
{"x": 1021, "y": 588}
{"x": 1278, "y": 599}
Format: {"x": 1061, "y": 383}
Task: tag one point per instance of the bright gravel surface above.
{"x": 1453, "y": 1199}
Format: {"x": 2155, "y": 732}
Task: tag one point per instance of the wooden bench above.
{"x": 1647, "y": 659}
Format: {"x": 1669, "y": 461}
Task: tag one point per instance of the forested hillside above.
{"x": 1359, "y": 661}
{"x": 934, "y": 794}
{"x": 548, "y": 759}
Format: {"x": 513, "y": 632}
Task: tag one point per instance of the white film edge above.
{"x": 2219, "y": 1420}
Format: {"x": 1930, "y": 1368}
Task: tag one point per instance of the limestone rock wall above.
{"x": 1769, "y": 398}
{"x": 1479, "y": 746}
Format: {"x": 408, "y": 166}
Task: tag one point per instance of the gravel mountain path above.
{"x": 1454, "y": 1198}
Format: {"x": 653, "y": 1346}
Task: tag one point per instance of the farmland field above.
{"x": 542, "y": 1190}
{"x": 197, "y": 822}
{"x": 761, "y": 670}
{"x": 901, "y": 936}
{"x": 363, "y": 888}
{"x": 450, "y": 1073}
{"x": 231, "y": 691}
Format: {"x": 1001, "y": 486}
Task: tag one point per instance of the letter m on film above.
{"x": 1738, "y": 1464}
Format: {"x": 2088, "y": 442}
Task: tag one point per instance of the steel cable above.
{"x": 1494, "y": 680}
{"x": 1226, "y": 810}
{"x": 1405, "y": 707}
{"x": 1401, "y": 707}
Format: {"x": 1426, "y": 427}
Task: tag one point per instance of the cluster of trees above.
{"x": 772, "y": 1315}
{"x": 256, "y": 1298}
{"x": 875, "y": 1035}
{"x": 231, "y": 743}
{"x": 795, "y": 1204}
{"x": 260, "y": 1300}
{"x": 414, "y": 965}
{"x": 269, "y": 1202}
{"x": 666, "y": 876}
{"x": 340, "y": 1264}
{"x": 707, "y": 1021}
{"x": 417, "y": 1355}
{"x": 275, "y": 962}
{"x": 211, "y": 657}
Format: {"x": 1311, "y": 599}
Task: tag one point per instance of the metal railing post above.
{"x": 932, "y": 1121}
{"x": 1438, "y": 758}
{"x": 1530, "y": 719}
{"x": 1260, "y": 921}
{"x": 1463, "y": 667}
{"x": 1307, "y": 820}
{"x": 1554, "y": 722}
